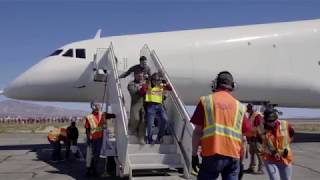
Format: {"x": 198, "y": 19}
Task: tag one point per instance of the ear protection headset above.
{"x": 221, "y": 78}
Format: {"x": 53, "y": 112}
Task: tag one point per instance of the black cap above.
{"x": 249, "y": 107}
{"x": 225, "y": 80}
{"x": 270, "y": 114}
{"x": 142, "y": 58}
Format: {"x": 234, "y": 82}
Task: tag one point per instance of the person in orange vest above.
{"x": 254, "y": 117}
{"x": 154, "y": 92}
{"x": 94, "y": 130}
{"x": 54, "y": 137}
{"x": 275, "y": 137}
{"x": 220, "y": 123}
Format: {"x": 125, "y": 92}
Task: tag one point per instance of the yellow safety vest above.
{"x": 154, "y": 94}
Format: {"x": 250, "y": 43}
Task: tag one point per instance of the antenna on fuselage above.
{"x": 98, "y": 34}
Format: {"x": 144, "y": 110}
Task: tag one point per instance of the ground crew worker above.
{"x": 54, "y": 137}
{"x": 275, "y": 137}
{"x": 154, "y": 91}
{"x": 243, "y": 152}
{"x": 254, "y": 117}
{"x": 141, "y": 67}
{"x": 94, "y": 131}
{"x": 137, "y": 124}
{"x": 72, "y": 134}
{"x": 220, "y": 122}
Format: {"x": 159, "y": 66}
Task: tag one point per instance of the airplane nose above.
{"x": 17, "y": 87}
{"x": 20, "y": 87}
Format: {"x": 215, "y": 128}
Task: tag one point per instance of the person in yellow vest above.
{"x": 94, "y": 130}
{"x": 154, "y": 92}
{"x": 54, "y": 137}
{"x": 275, "y": 137}
{"x": 254, "y": 117}
{"x": 220, "y": 123}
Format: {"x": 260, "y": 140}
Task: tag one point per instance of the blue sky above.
{"x": 30, "y": 30}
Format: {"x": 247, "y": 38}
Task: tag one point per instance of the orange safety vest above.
{"x": 252, "y": 118}
{"x": 277, "y": 143}
{"x": 154, "y": 94}
{"x": 96, "y": 126}
{"x": 223, "y": 124}
{"x": 57, "y": 134}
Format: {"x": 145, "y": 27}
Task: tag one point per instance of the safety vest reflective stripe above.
{"x": 223, "y": 131}
{"x": 154, "y": 94}
{"x": 209, "y": 109}
{"x": 285, "y": 134}
{"x": 94, "y": 127}
{"x": 212, "y": 128}
{"x": 238, "y": 118}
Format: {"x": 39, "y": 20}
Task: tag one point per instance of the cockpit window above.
{"x": 81, "y": 53}
{"x": 69, "y": 53}
{"x": 57, "y": 52}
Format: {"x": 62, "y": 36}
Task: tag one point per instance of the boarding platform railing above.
{"x": 178, "y": 117}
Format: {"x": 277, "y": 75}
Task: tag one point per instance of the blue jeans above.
{"x": 152, "y": 111}
{"x": 212, "y": 166}
{"x": 275, "y": 170}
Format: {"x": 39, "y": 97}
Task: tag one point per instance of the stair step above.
{"x": 155, "y": 158}
{"x": 155, "y": 166}
{"x": 152, "y": 148}
{"x": 166, "y": 139}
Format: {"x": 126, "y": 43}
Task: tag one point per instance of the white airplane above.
{"x": 279, "y": 63}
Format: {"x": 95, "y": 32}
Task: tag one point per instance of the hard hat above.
{"x": 270, "y": 114}
{"x": 223, "y": 79}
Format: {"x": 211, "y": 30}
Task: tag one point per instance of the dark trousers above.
{"x": 69, "y": 143}
{"x": 213, "y": 166}
{"x": 56, "y": 153}
{"x": 93, "y": 153}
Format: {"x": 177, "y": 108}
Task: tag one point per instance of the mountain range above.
{"x": 23, "y": 109}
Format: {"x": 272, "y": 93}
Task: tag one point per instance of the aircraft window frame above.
{"x": 56, "y": 52}
{"x": 80, "y": 53}
{"x": 67, "y": 53}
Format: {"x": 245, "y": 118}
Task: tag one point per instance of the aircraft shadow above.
{"x": 71, "y": 167}
{"x": 301, "y": 137}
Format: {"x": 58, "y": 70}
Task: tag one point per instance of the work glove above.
{"x": 195, "y": 165}
{"x": 110, "y": 115}
{"x": 285, "y": 153}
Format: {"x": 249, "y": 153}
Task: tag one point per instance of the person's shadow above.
{"x": 74, "y": 167}
{"x": 70, "y": 167}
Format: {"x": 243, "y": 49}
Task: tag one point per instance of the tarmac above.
{"x": 27, "y": 156}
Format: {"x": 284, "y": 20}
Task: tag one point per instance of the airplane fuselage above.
{"x": 277, "y": 62}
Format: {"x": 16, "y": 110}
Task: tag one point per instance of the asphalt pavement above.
{"x": 27, "y": 156}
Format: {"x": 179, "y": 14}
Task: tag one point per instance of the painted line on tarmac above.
{"x": 6, "y": 158}
{"x": 310, "y": 169}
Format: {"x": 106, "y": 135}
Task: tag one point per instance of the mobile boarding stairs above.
{"x": 173, "y": 157}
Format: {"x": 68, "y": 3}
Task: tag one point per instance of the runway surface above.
{"x": 27, "y": 156}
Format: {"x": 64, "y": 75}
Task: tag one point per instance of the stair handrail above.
{"x": 181, "y": 109}
{"x": 121, "y": 131}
